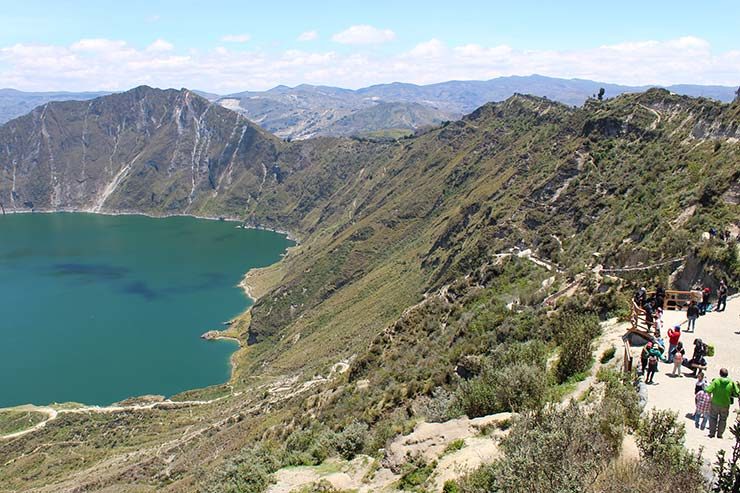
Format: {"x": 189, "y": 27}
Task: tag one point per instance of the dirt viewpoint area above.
{"x": 722, "y": 330}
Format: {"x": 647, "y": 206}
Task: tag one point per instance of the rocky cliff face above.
{"x": 143, "y": 150}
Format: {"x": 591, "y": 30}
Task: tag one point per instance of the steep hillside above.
{"x": 143, "y": 150}
{"x": 405, "y": 266}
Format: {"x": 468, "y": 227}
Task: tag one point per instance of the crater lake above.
{"x": 97, "y": 308}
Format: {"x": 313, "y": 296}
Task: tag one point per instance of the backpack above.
{"x": 710, "y": 350}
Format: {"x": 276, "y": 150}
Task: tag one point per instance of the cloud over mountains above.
{"x": 109, "y": 64}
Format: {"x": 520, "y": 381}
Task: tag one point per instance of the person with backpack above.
{"x": 722, "y": 296}
{"x": 654, "y": 355}
{"x": 692, "y": 313}
{"x": 700, "y": 349}
{"x": 722, "y": 390}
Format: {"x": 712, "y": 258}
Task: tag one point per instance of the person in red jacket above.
{"x": 674, "y": 334}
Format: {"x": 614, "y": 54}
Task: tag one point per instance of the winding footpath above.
{"x": 53, "y": 414}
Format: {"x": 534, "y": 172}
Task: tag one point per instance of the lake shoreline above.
{"x": 288, "y": 235}
{"x": 246, "y": 287}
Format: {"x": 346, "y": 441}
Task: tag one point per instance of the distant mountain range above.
{"x": 393, "y": 109}
{"x": 15, "y": 103}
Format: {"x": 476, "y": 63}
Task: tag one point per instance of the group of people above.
{"x": 655, "y": 351}
{"x": 713, "y": 399}
{"x": 653, "y": 305}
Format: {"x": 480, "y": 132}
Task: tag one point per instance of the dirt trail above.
{"x": 722, "y": 330}
{"x": 52, "y": 413}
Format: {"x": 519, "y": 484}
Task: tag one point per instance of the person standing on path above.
{"x": 692, "y": 313}
{"x": 677, "y": 361}
{"x": 703, "y": 408}
{"x": 722, "y": 390}
{"x": 674, "y": 335}
{"x": 654, "y": 355}
{"x": 701, "y": 382}
{"x": 721, "y": 296}
{"x": 705, "y": 293}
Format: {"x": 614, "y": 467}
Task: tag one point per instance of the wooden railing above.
{"x": 679, "y": 300}
{"x": 674, "y": 300}
{"x": 627, "y": 358}
{"x": 638, "y": 321}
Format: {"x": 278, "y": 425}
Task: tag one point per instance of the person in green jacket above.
{"x": 722, "y": 390}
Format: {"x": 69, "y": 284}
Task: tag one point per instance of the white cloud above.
{"x": 236, "y": 38}
{"x": 308, "y": 36}
{"x": 91, "y": 64}
{"x": 363, "y": 34}
{"x": 160, "y": 45}
{"x": 429, "y": 49}
{"x": 97, "y": 44}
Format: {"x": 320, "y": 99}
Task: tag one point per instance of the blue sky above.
{"x": 227, "y": 46}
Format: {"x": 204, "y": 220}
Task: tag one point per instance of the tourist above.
{"x": 700, "y": 349}
{"x": 701, "y": 382}
{"x": 658, "y": 321}
{"x": 698, "y": 363}
{"x": 722, "y": 296}
{"x": 673, "y": 335}
{"x": 659, "y": 296}
{"x": 649, "y": 315}
{"x": 692, "y": 313}
{"x": 654, "y": 354}
{"x": 704, "y": 306}
{"x": 639, "y": 298}
{"x": 703, "y": 408}
{"x": 722, "y": 390}
{"x": 677, "y": 358}
{"x": 652, "y": 367}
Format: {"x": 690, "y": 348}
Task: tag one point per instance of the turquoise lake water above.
{"x": 96, "y": 308}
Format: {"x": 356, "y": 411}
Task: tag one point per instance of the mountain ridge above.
{"x": 306, "y": 110}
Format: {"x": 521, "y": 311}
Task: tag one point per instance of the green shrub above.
{"x": 351, "y": 440}
{"x": 660, "y": 438}
{"x": 415, "y": 473}
{"x": 248, "y": 472}
{"x": 575, "y": 336}
{"x": 450, "y": 487}
{"x": 309, "y": 447}
{"x": 517, "y": 387}
{"x": 620, "y": 393}
{"x": 608, "y": 354}
{"x": 551, "y": 450}
{"x": 664, "y": 460}
{"x": 454, "y": 446}
{"x": 727, "y": 469}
